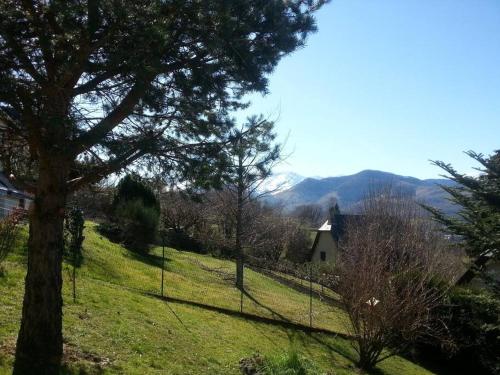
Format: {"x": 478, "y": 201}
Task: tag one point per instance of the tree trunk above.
{"x": 39, "y": 344}
{"x": 475, "y": 269}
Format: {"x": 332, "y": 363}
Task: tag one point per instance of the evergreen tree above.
{"x": 136, "y": 212}
{"x": 109, "y": 83}
{"x": 478, "y": 220}
{"x": 251, "y": 153}
{"x": 131, "y": 188}
{"x": 74, "y": 225}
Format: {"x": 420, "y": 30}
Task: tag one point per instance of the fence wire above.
{"x": 206, "y": 281}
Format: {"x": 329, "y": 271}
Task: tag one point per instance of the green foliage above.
{"x": 289, "y": 363}
{"x": 138, "y": 223}
{"x": 478, "y": 221}
{"x": 115, "y": 83}
{"x": 163, "y": 104}
{"x": 132, "y": 188}
{"x": 252, "y": 152}
{"x": 135, "y": 214}
{"x": 74, "y": 225}
{"x": 474, "y": 324}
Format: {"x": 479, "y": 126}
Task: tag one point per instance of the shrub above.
{"x": 135, "y": 214}
{"x": 389, "y": 269}
{"x": 8, "y": 232}
{"x": 473, "y": 319}
{"x": 131, "y": 188}
{"x": 289, "y": 363}
{"x": 180, "y": 239}
{"x": 74, "y": 225}
{"x": 137, "y": 223}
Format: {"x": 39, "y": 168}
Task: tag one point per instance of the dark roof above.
{"x": 5, "y": 183}
{"x": 338, "y": 224}
{"x": 8, "y": 188}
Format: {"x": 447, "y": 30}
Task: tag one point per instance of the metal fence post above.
{"x": 310, "y": 297}
{"x": 241, "y": 290}
{"x": 162, "y": 261}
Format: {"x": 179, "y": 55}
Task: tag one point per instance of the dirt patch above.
{"x": 8, "y": 347}
{"x": 72, "y": 355}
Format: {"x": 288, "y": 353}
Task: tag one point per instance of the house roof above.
{"x": 326, "y": 227}
{"x": 335, "y": 226}
{"x": 7, "y": 188}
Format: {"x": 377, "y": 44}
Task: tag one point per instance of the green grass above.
{"x": 115, "y": 327}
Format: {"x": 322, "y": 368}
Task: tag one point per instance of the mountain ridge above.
{"x": 350, "y": 190}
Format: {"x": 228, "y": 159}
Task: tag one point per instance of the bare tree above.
{"x": 309, "y": 214}
{"x": 179, "y": 211}
{"x": 391, "y": 276}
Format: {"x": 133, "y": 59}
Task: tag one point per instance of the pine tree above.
{"x": 251, "y": 153}
{"x": 478, "y": 219}
{"x": 103, "y": 84}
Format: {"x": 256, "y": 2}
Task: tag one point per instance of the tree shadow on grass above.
{"x": 149, "y": 259}
{"x": 267, "y": 308}
{"x": 177, "y": 316}
{"x": 80, "y": 370}
{"x": 244, "y": 315}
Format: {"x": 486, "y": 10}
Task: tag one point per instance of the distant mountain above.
{"x": 279, "y": 182}
{"x": 349, "y": 191}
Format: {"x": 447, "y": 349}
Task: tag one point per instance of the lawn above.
{"x": 118, "y": 326}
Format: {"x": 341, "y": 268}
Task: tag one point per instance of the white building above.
{"x": 325, "y": 246}
{"x": 326, "y": 243}
{"x": 12, "y": 198}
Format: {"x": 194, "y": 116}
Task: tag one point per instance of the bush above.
{"x": 181, "y": 240}
{"x": 138, "y": 223}
{"x": 74, "y": 226}
{"x": 290, "y": 363}
{"x": 132, "y": 188}
{"x": 135, "y": 215}
{"x": 475, "y": 328}
{"x": 473, "y": 320}
{"x": 8, "y": 232}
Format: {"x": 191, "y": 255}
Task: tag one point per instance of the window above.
{"x": 21, "y": 203}
{"x": 322, "y": 256}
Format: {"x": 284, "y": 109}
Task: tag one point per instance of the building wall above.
{"x": 10, "y": 203}
{"x": 325, "y": 244}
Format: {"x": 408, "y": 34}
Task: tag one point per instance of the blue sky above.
{"x": 388, "y": 85}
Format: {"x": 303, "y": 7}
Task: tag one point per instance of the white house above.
{"x": 325, "y": 247}
{"x": 12, "y": 198}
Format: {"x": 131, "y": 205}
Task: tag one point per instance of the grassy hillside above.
{"x": 117, "y": 325}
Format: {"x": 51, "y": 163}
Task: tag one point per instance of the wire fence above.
{"x": 271, "y": 293}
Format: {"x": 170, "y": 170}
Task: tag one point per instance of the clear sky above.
{"x": 388, "y": 85}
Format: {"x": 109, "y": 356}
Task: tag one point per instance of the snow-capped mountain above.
{"x": 279, "y": 182}
{"x": 349, "y": 191}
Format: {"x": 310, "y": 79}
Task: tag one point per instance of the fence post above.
{"x": 310, "y": 297}
{"x": 74, "y": 277}
{"x": 162, "y": 261}
{"x": 241, "y": 291}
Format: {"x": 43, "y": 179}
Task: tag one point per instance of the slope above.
{"x": 119, "y": 326}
